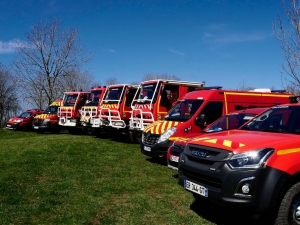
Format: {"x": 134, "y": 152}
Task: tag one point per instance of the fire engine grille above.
{"x": 150, "y": 139}
{"x": 208, "y": 161}
{"x": 37, "y": 122}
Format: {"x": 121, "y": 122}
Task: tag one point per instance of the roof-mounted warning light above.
{"x": 278, "y": 91}
{"x": 213, "y": 88}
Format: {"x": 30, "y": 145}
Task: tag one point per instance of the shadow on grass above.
{"x": 161, "y": 161}
{"x": 226, "y": 215}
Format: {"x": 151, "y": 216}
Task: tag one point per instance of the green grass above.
{"x": 69, "y": 179}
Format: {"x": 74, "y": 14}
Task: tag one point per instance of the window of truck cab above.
{"x": 283, "y": 119}
{"x": 147, "y": 93}
{"x": 94, "y": 96}
{"x": 70, "y": 99}
{"x": 51, "y": 110}
{"x": 184, "y": 110}
{"x": 213, "y": 111}
{"x": 113, "y": 95}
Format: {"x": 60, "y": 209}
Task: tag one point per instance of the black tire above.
{"x": 55, "y": 130}
{"x": 288, "y": 212}
{"x": 85, "y": 130}
{"x": 136, "y": 137}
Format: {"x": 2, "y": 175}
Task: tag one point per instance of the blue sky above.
{"x": 225, "y": 43}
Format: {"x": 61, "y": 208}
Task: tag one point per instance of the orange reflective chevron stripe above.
{"x": 288, "y": 151}
{"x": 227, "y": 143}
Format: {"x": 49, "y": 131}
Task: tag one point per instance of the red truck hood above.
{"x": 161, "y": 126}
{"x": 239, "y": 141}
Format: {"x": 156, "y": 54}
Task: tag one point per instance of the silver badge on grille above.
{"x": 199, "y": 153}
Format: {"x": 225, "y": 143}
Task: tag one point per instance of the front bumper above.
{"x": 44, "y": 126}
{"x": 224, "y": 185}
{"x": 173, "y": 157}
{"x": 14, "y": 126}
{"x": 151, "y": 148}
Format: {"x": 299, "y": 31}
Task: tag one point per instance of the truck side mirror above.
{"x": 200, "y": 121}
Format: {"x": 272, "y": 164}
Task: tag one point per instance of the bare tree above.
{"x": 8, "y": 95}
{"x": 165, "y": 76}
{"x": 74, "y": 79}
{"x": 44, "y": 59}
{"x": 289, "y": 39}
{"x": 244, "y": 87}
{"x": 111, "y": 81}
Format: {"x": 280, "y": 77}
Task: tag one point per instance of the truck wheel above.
{"x": 135, "y": 138}
{"x": 289, "y": 209}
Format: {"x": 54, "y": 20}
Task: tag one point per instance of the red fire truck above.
{"x": 91, "y": 110}
{"x": 23, "y": 121}
{"x": 255, "y": 167}
{"x": 153, "y": 100}
{"x": 114, "y": 112}
{"x": 213, "y": 103}
{"x": 48, "y": 120}
{"x": 227, "y": 122}
{"x": 69, "y": 114}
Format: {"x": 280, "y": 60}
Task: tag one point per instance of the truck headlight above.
{"x": 19, "y": 121}
{"x": 165, "y": 136}
{"x": 253, "y": 159}
{"x": 46, "y": 120}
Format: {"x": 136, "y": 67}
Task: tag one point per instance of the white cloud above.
{"x": 207, "y": 34}
{"x": 112, "y": 50}
{"x": 236, "y": 38}
{"x": 8, "y": 47}
{"x": 177, "y": 52}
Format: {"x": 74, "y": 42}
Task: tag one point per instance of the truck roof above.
{"x": 199, "y": 94}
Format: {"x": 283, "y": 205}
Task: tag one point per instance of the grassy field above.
{"x": 76, "y": 179}
{"x": 69, "y": 179}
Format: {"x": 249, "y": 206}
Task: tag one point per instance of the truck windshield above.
{"x": 285, "y": 119}
{"x": 184, "y": 110}
{"x": 70, "y": 99}
{"x": 147, "y": 93}
{"x": 113, "y": 95}
{"x": 229, "y": 122}
{"x": 51, "y": 110}
{"x": 95, "y": 96}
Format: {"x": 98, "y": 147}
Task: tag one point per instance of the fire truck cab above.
{"x": 153, "y": 100}
{"x": 255, "y": 167}
{"x": 91, "y": 110}
{"x": 69, "y": 113}
{"x": 48, "y": 120}
{"x": 186, "y": 116}
{"x": 114, "y": 111}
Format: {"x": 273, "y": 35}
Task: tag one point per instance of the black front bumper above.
{"x": 224, "y": 185}
{"x": 150, "y": 147}
{"x": 14, "y": 126}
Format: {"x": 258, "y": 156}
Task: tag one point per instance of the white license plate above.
{"x": 174, "y": 158}
{"x": 196, "y": 188}
{"x": 35, "y": 127}
{"x": 146, "y": 148}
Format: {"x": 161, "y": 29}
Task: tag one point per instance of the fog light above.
{"x": 246, "y": 189}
